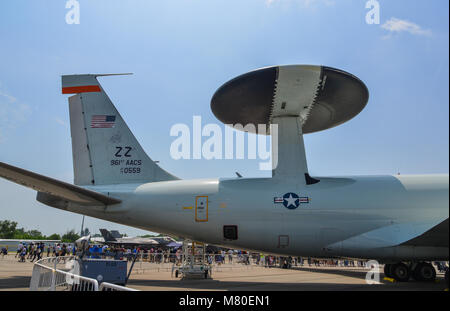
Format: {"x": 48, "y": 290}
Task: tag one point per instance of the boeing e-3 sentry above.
{"x": 399, "y": 220}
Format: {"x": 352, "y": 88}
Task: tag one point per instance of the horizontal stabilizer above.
{"x": 54, "y": 187}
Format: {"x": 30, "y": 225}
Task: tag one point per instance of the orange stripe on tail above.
{"x": 81, "y": 89}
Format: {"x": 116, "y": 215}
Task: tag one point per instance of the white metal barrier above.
{"x": 47, "y": 277}
{"x": 108, "y": 287}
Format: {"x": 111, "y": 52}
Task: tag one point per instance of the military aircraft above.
{"x": 111, "y": 237}
{"x": 401, "y": 221}
{"x": 114, "y": 237}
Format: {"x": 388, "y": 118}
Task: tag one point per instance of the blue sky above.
{"x": 181, "y": 51}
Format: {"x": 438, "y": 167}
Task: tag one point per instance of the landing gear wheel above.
{"x": 424, "y": 272}
{"x": 415, "y": 272}
{"x": 400, "y": 272}
{"x": 387, "y": 270}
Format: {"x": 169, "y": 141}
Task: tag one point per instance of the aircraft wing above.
{"x": 136, "y": 241}
{"x": 54, "y": 187}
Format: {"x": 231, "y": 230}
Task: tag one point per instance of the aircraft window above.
{"x": 230, "y": 232}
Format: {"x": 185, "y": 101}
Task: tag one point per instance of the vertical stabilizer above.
{"x": 107, "y": 235}
{"x": 105, "y": 151}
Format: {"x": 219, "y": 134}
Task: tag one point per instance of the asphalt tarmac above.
{"x": 155, "y": 277}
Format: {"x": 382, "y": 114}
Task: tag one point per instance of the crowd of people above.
{"x": 36, "y": 250}
{"x": 174, "y": 255}
{"x": 162, "y": 255}
{"x": 153, "y": 255}
{"x": 288, "y": 262}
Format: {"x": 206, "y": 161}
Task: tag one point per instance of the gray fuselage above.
{"x": 359, "y": 217}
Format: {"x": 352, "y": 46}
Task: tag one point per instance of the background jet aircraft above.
{"x": 114, "y": 237}
{"x": 399, "y": 220}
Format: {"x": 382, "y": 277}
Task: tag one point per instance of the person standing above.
{"x": 30, "y": 250}
{"x": 23, "y": 253}
{"x": 69, "y": 249}
{"x": 64, "y": 250}
{"x": 4, "y": 251}
{"x": 38, "y": 252}
{"x": 19, "y": 249}
{"x": 33, "y": 253}
{"x": 104, "y": 250}
{"x": 57, "y": 250}
{"x": 230, "y": 256}
{"x": 41, "y": 252}
{"x": 179, "y": 255}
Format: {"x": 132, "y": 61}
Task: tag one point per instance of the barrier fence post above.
{"x": 53, "y": 284}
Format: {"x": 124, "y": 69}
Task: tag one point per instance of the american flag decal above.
{"x": 103, "y": 121}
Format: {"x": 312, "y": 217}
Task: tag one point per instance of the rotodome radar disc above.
{"x": 323, "y": 97}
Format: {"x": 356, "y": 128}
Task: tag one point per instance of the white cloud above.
{"x": 12, "y": 113}
{"x": 396, "y": 25}
{"x": 10, "y": 98}
{"x": 60, "y": 121}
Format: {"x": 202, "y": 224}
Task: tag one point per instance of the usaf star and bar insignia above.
{"x": 291, "y": 200}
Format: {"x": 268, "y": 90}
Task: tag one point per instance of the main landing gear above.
{"x": 422, "y": 271}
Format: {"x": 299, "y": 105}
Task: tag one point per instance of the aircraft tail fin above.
{"x": 107, "y": 235}
{"x": 116, "y": 234}
{"x": 104, "y": 149}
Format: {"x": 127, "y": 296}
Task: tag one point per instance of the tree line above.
{"x": 9, "y": 230}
